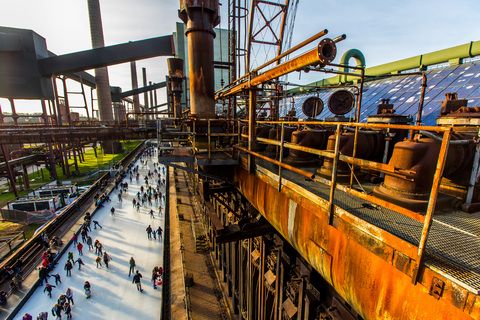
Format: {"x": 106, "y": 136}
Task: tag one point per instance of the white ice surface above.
{"x": 114, "y": 296}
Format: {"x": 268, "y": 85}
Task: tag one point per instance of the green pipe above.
{"x": 463, "y": 51}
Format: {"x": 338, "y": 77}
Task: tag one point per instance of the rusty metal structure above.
{"x": 321, "y": 218}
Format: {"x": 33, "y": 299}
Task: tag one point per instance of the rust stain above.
{"x": 361, "y": 268}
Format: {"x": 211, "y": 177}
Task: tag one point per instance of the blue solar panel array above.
{"x": 404, "y": 93}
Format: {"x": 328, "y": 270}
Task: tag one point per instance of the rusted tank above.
{"x": 307, "y": 137}
{"x": 370, "y": 146}
{"x": 275, "y": 134}
{"x": 420, "y": 156}
{"x": 261, "y": 131}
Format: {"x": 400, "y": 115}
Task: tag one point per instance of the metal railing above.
{"x": 353, "y": 161}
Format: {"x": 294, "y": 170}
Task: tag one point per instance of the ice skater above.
{"x": 159, "y": 232}
{"x": 80, "y": 263}
{"x": 106, "y": 259}
{"x": 57, "y": 311}
{"x": 57, "y": 278}
{"x": 69, "y": 295}
{"x": 68, "y": 310}
{"x": 149, "y": 232}
{"x": 137, "y": 279}
{"x": 96, "y": 224}
{"x": 48, "y": 288}
{"x": 89, "y": 243}
{"x": 70, "y": 256}
{"x": 68, "y": 267}
{"x": 132, "y": 266}
{"x": 80, "y": 249}
{"x": 98, "y": 260}
{"x": 88, "y": 289}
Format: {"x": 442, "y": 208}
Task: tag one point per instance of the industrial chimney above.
{"x": 101, "y": 74}
{"x": 201, "y": 17}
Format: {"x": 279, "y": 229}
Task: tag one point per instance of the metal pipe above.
{"x": 418, "y": 122}
{"x": 334, "y": 175}
{"x": 301, "y": 172}
{"x": 325, "y": 52}
{"x": 437, "y": 138}
{"x": 200, "y": 17}
{"x": 292, "y": 49}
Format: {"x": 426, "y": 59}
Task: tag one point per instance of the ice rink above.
{"x": 114, "y": 296}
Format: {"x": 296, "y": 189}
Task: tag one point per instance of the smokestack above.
{"x": 101, "y": 74}
{"x": 201, "y": 17}
{"x": 136, "y": 100}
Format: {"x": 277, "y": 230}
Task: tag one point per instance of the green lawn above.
{"x": 90, "y": 165}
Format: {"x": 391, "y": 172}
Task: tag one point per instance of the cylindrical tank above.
{"x": 201, "y": 17}
{"x": 275, "y": 134}
{"x": 420, "y": 157}
{"x": 312, "y": 138}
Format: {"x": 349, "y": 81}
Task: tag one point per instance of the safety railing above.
{"x": 354, "y": 162}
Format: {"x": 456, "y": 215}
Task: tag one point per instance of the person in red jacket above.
{"x": 80, "y": 248}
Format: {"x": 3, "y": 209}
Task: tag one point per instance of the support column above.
{"x": 11, "y": 177}
{"x": 26, "y": 181}
{"x": 252, "y": 102}
{"x": 145, "y": 94}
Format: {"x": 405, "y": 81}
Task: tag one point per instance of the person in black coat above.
{"x": 137, "y": 280}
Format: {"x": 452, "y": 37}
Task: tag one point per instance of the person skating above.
{"x": 151, "y": 214}
{"x": 112, "y": 211}
{"x": 96, "y": 224}
{"x": 98, "y": 260}
{"x": 80, "y": 249}
{"x": 89, "y": 243}
{"x": 69, "y": 295}
{"x": 106, "y": 259}
{"x": 149, "y": 232}
{"x": 88, "y": 289}
{"x": 57, "y": 311}
{"x": 80, "y": 263}
{"x": 57, "y": 278}
{"x": 70, "y": 256}
{"x": 48, "y": 288}
{"x": 154, "y": 277}
{"x": 75, "y": 238}
{"x": 42, "y": 316}
{"x": 62, "y": 299}
{"x": 68, "y": 267}
{"x": 159, "y": 232}
{"x": 132, "y": 266}
{"x": 68, "y": 310}
{"x": 43, "y": 275}
{"x": 137, "y": 280}
{"x": 27, "y": 316}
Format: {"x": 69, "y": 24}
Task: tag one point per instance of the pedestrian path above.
{"x": 123, "y": 236}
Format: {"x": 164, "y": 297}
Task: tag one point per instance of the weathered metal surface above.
{"x": 201, "y": 17}
{"x": 368, "y": 267}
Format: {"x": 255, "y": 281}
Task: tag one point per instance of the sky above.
{"x": 384, "y": 30}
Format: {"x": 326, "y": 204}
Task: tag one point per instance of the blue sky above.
{"x": 384, "y": 30}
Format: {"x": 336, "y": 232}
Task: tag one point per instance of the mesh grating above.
{"x": 453, "y": 245}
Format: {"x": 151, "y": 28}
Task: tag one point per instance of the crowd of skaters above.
{"x": 148, "y": 196}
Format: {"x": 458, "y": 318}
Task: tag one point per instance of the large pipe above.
{"x": 101, "y": 74}
{"x": 201, "y": 17}
{"x": 324, "y": 53}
